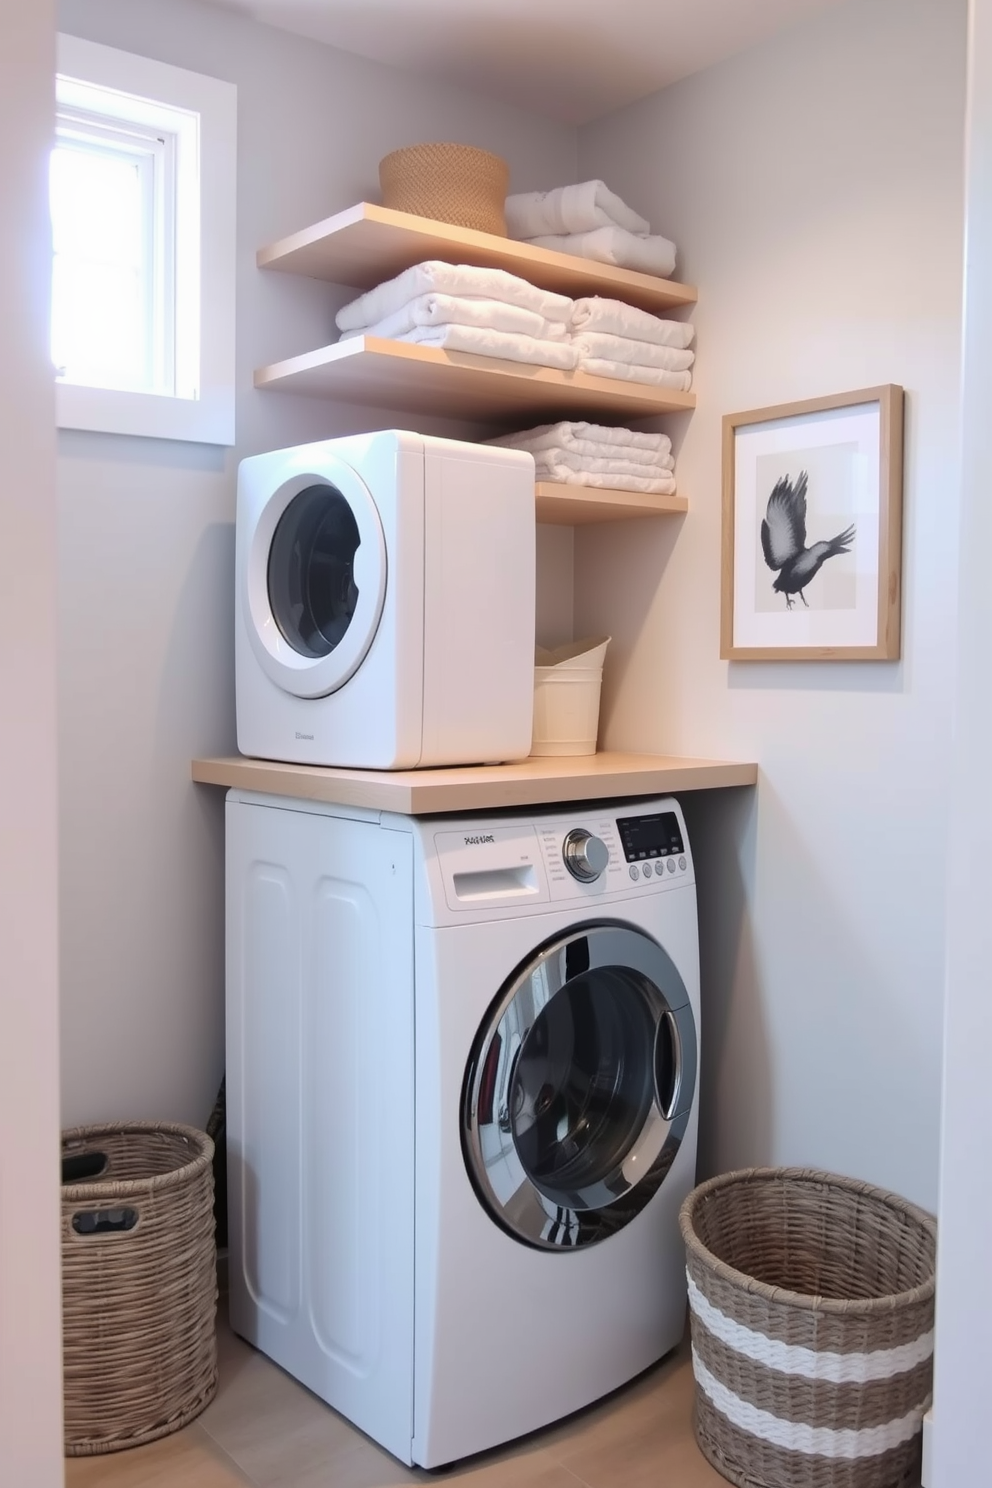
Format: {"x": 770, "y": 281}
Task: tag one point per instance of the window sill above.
{"x": 205, "y": 420}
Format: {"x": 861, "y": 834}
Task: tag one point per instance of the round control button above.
{"x": 633, "y": 871}
{"x": 682, "y": 864}
{"x": 586, "y": 856}
{"x": 671, "y": 865}
{"x": 659, "y": 867}
{"x": 646, "y": 870}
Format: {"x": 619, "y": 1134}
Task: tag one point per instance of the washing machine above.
{"x": 385, "y": 602}
{"x": 461, "y": 1076}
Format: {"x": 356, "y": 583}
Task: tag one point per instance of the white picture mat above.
{"x": 754, "y": 624}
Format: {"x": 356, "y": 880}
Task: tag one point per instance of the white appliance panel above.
{"x": 510, "y": 1338}
{"x": 333, "y": 1108}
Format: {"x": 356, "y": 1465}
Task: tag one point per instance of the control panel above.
{"x": 572, "y": 858}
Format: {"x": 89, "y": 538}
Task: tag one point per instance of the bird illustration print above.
{"x": 783, "y": 540}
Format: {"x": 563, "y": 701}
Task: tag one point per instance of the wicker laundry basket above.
{"x": 449, "y": 183}
{"x": 139, "y": 1283}
{"x": 811, "y": 1302}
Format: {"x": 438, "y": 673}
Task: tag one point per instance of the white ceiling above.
{"x": 571, "y": 60}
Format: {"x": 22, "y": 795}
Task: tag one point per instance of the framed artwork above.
{"x": 812, "y": 529}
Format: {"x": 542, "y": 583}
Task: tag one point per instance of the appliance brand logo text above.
{"x": 477, "y": 841}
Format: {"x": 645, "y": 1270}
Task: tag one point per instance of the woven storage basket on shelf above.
{"x": 139, "y": 1283}
{"x": 811, "y": 1302}
{"x": 449, "y": 183}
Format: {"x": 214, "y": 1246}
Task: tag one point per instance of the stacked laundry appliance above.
{"x": 385, "y": 603}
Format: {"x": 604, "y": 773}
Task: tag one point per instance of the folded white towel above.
{"x": 639, "y": 353}
{"x": 440, "y": 309}
{"x": 591, "y": 465}
{"x": 612, "y": 245}
{"x": 549, "y": 467}
{"x": 558, "y": 436}
{"x": 570, "y": 209}
{"x": 434, "y": 276}
{"x": 613, "y": 317}
{"x": 633, "y": 372}
{"x": 504, "y": 344}
{"x": 570, "y": 430}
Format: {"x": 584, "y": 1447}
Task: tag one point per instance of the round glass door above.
{"x": 311, "y": 573}
{"x": 580, "y": 1086}
{"x": 315, "y": 580}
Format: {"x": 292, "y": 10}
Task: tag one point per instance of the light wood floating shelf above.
{"x": 367, "y": 244}
{"x": 532, "y": 782}
{"x": 566, "y": 505}
{"x": 425, "y": 379}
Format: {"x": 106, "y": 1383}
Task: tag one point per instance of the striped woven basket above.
{"x": 139, "y": 1283}
{"x": 811, "y": 1302}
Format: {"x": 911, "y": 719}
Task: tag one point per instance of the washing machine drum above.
{"x": 315, "y": 580}
{"x": 580, "y": 1087}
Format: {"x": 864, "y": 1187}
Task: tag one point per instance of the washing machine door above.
{"x": 315, "y": 580}
{"x": 580, "y": 1087}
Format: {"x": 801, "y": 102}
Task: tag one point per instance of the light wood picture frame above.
{"x": 812, "y": 529}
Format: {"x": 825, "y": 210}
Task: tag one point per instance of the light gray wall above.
{"x": 30, "y": 1331}
{"x": 814, "y": 186}
{"x": 146, "y": 557}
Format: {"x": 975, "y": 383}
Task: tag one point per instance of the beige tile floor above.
{"x": 264, "y": 1430}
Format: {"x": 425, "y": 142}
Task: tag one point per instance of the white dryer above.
{"x": 385, "y": 602}
{"x": 461, "y": 1120}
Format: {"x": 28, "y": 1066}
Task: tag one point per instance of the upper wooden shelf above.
{"x": 531, "y": 782}
{"x": 425, "y": 379}
{"x": 366, "y": 245}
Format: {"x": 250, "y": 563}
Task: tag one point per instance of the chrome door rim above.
{"x": 305, "y": 676}
{"x": 585, "y": 1215}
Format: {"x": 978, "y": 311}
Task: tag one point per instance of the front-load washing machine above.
{"x": 461, "y": 1119}
{"x": 385, "y": 602}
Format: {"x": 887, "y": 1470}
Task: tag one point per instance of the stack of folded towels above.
{"x": 581, "y": 454}
{"x": 612, "y": 339}
{"x": 591, "y": 221}
{"x": 462, "y": 308}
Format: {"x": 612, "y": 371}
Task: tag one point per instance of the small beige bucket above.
{"x": 567, "y": 686}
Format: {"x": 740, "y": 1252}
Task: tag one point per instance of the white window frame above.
{"x": 203, "y": 408}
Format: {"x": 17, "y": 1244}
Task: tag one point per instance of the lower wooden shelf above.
{"x": 566, "y": 505}
{"x": 456, "y": 384}
{"x": 530, "y": 782}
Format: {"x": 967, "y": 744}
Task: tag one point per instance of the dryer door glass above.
{"x": 580, "y": 1087}
{"x": 311, "y": 577}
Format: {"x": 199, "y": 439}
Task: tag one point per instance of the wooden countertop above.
{"x": 531, "y": 782}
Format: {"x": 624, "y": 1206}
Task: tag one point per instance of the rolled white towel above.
{"x": 613, "y": 317}
{"x": 434, "y": 276}
{"x": 441, "y": 309}
{"x": 558, "y": 436}
{"x": 568, "y": 431}
{"x": 635, "y": 372}
{"x": 551, "y": 467}
{"x": 639, "y": 353}
{"x": 570, "y": 209}
{"x": 504, "y": 344}
{"x": 612, "y": 245}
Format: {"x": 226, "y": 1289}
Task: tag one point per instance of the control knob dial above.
{"x": 585, "y": 856}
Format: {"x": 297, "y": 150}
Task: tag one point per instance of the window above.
{"x": 143, "y": 224}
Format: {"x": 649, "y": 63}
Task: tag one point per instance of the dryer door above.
{"x": 580, "y": 1087}
{"x": 315, "y": 580}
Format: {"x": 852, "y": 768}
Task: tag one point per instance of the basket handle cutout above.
{"x": 83, "y": 1165}
{"x": 104, "y": 1221}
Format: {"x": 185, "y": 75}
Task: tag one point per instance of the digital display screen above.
{"x": 650, "y": 836}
